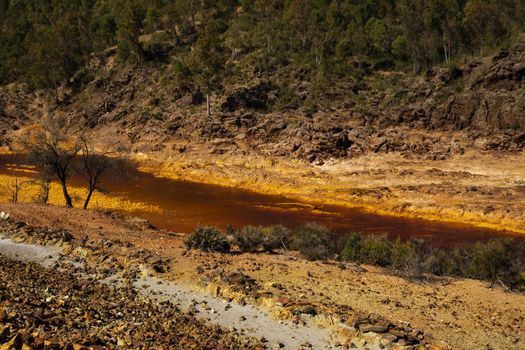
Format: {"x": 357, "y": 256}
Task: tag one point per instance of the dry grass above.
{"x": 110, "y": 201}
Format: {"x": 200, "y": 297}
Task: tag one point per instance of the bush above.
{"x": 352, "y": 247}
{"x": 275, "y": 237}
{"x": 376, "y": 250}
{"x": 249, "y": 238}
{"x": 501, "y": 260}
{"x": 208, "y": 239}
{"x": 314, "y": 241}
{"x": 403, "y": 256}
{"x": 258, "y": 238}
{"x": 439, "y": 262}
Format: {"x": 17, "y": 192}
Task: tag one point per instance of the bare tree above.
{"x": 44, "y": 182}
{"x": 14, "y": 189}
{"x": 94, "y": 165}
{"x": 53, "y": 147}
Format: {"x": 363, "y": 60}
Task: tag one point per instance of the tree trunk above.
{"x": 67, "y": 197}
{"x": 88, "y": 198}
{"x": 208, "y": 106}
{"x": 44, "y": 196}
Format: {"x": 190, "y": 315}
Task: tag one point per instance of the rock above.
{"x": 305, "y": 310}
{"x": 283, "y": 301}
{"x": 14, "y": 344}
{"x": 254, "y": 97}
{"x": 373, "y": 328}
{"x": 73, "y": 320}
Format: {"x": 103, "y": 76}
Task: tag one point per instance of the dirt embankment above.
{"x": 466, "y": 314}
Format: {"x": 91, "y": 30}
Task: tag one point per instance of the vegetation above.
{"x": 259, "y": 238}
{"x": 30, "y": 191}
{"x": 208, "y": 239}
{"x": 54, "y": 146}
{"x": 499, "y": 261}
{"x": 205, "y": 42}
{"x": 51, "y": 147}
{"x": 314, "y": 242}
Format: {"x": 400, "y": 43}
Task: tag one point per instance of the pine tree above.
{"x": 207, "y": 60}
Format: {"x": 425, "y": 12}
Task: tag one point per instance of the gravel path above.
{"x": 245, "y": 320}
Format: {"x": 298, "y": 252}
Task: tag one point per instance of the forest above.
{"x": 44, "y": 42}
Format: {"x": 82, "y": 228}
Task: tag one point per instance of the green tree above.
{"x": 445, "y": 17}
{"x": 207, "y": 60}
{"x": 485, "y": 23}
{"x": 129, "y": 26}
{"x": 378, "y": 33}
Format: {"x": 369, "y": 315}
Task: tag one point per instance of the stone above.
{"x": 373, "y": 328}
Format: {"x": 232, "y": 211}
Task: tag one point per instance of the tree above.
{"x": 484, "y": 20}
{"x": 378, "y": 33}
{"x": 445, "y": 18}
{"x": 13, "y": 188}
{"x": 44, "y": 182}
{"x": 413, "y": 23}
{"x": 53, "y": 147}
{"x": 129, "y": 25}
{"x": 207, "y": 60}
{"x": 94, "y": 165}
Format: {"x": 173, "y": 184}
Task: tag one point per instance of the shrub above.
{"x": 439, "y": 262}
{"x": 404, "y": 257}
{"x": 314, "y": 241}
{"x": 490, "y": 260}
{"x": 352, "y": 247}
{"x": 258, "y": 238}
{"x": 208, "y": 239}
{"x": 275, "y": 237}
{"x": 462, "y": 258}
{"x": 249, "y": 238}
{"x": 376, "y": 250}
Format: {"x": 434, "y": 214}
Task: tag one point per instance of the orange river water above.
{"x": 186, "y": 205}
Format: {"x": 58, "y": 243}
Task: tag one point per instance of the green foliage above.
{"x": 275, "y": 237}
{"x": 314, "y": 241}
{"x": 208, "y": 239}
{"x": 376, "y": 250}
{"x": 129, "y": 26}
{"x": 403, "y": 255}
{"x": 399, "y": 47}
{"x": 208, "y": 57}
{"x": 249, "y": 238}
{"x": 287, "y": 98}
{"x": 501, "y": 261}
{"x": 379, "y": 35}
{"x": 46, "y": 42}
{"x": 352, "y": 247}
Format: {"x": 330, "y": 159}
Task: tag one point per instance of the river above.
{"x": 186, "y": 205}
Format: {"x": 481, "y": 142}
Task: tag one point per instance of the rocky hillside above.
{"x": 479, "y": 103}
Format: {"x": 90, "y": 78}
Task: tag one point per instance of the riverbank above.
{"x": 466, "y": 314}
{"x": 481, "y": 189}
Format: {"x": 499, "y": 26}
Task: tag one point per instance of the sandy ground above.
{"x": 466, "y": 314}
